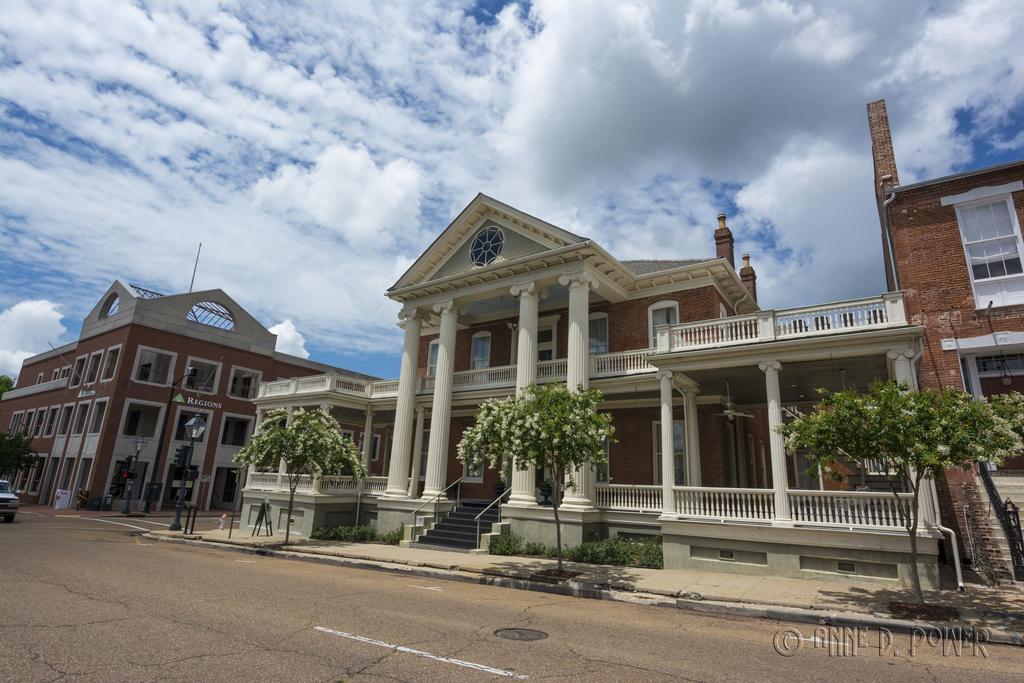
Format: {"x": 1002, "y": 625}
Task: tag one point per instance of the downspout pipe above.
{"x": 888, "y": 239}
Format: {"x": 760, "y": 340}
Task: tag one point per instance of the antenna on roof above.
{"x": 195, "y": 268}
{"x": 59, "y": 354}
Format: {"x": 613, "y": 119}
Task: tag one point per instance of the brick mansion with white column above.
{"x": 695, "y": 375}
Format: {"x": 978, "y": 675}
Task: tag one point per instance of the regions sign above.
{"x": 197, "y": 402}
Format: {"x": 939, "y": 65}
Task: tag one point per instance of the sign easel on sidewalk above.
{"x": 263, "y": 519}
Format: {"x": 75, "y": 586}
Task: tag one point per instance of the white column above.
{"x": 691, "y": 431}
{"x": 577, "y": 375}
{"x": 417, "y": 455}
{"x": 367, "y": 438}
{"x": 399, "y": 463}
{"x": 441, "y": 410}
{"x": 668, "y": 496}
{"x": 903, "y": 373}
{"x": 775, "y": 440}
{"x": 524, "y": 481}
{"x": 973, "y": 380}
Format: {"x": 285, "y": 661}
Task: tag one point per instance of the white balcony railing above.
{"x": 325, "y": 486}
{"x": 878, "y": 312}
{"x": 750, "y": 505}
{"x": 849, "y": 508}
{"x": 640, "y": 498}
{"x": 36, "y": 388}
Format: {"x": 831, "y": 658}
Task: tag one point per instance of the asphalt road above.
{"x": 84, "y": 599}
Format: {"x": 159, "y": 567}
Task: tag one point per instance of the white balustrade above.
{"x": 266, "y": 481}
{"x": 721, "y": 503}
{"x": 349, "y": 385}
{"x": 620, "y": 363}
{"x": 503, "y": 375}
{"x": 374, "y": 486}
{"x": 550, "y": 370}
{"x": 850, "y": 508}
{"x": 338, "y": 485}
{"x": 878, "y": 312}
{"x": 639, "y": 498}
{"x": 386, "y": 388}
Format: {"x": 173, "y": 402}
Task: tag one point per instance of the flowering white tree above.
{"x": 550, "y": 428}
{"x": 311, "y": 444}
{"x": 912, "y": 435}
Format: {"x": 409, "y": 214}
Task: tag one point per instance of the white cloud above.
{"x": 316, "y": 151}
{"x": 26, "y": 328}
{"x": 289, "y": 339}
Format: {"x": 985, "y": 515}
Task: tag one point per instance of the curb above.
{"x": 453, "y": 572}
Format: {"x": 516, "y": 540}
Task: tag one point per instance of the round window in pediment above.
{"x": 486, "y": 246}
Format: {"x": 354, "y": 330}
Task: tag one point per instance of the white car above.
{"x": 8, "y": 501}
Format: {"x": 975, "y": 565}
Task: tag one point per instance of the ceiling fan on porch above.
{"x": 730, "y": 411}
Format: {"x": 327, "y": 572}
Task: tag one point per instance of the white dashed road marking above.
{"x": 428, "y": 588}
{"x": 110, "y": 521}
{"x": 420, "y": 653}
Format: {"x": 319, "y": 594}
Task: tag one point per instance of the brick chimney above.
{"x": 882, "y": 153}
{"x": 748, "y": 276}
{"x": 724, "y": 241}
{"x": 886, "y": 178}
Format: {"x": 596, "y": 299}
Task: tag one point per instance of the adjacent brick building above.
{"x": 953, "y": 246}
{"x": 88, "y": 402}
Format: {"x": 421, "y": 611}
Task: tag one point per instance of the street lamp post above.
{"x": 162, "y": 441}
{"x": 194, "y": 428}
{"x": 140, "y": 443}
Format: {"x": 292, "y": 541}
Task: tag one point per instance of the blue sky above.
{"x": 316, "y": 148}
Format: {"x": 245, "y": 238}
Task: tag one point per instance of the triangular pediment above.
{"x": 452, "y": 253}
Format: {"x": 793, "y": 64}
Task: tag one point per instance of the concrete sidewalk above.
{"x": 996, "y": 608}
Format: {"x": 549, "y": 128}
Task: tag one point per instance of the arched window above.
{"x": 211, "y": 314}
{"x": 480, "y": 351}
{"x": 661, "y": 313}
{"x": 110, "y": 306}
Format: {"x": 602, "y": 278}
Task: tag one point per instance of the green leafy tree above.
{"x": 1010, "y": 407}
{"x": 550, "y": 428}
{"x": 6, "y": 384}
{"x": 310, "y": 444}
{"x": 912, "y": 436}
{"x": 15, "y": 453}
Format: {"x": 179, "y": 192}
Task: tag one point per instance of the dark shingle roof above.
{"x": 644, "y": 267}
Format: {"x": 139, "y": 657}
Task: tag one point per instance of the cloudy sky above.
{"x": 315, "y": 149}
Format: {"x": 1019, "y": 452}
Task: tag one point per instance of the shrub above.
{"x": 619, "y": 552}
{"x": 506, "y": 544}
{"x": 358, "y": 534}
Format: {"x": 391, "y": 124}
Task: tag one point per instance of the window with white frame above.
{"x": 432, "y": 357}
{"x": 65, "y": 420}
{"x": 39, "y": 378}
{"x": 661, "y": 313}
{"x": 110, "y": 366}
{"x": 55, "y": 375}
{"x": 546, "y": 341}
{"x": 993, "y": 248}
{"x": 236, "y": 431}
{"x": 51, "y": 420}
{"x": 37, "y": 430}
{"x": 80, "y": 415}
{"x": 203, "y": 377}
{"x": 79, "y": 370}
{"x": 181, "y": 433}
{"x": 679, "y": 452}
{"x": 64, "y": 372}
{"x": 244, "y": 383}
{"x": 480, "y": 351}
{"x": 598, "y": 333}
{"x": 96, "y": 424}
{"x": 16, "y": 422}
{"x": 154, "y": 367}
{"x": 141, "y": 420}
{"x": 94, "y": 367}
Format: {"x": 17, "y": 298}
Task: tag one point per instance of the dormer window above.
{"x": 486, "y": 246}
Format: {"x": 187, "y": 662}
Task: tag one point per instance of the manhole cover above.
{"x": 520, "y": 634}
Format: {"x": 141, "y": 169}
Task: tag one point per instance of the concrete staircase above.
{"x": 458, "y": 530}
{"x": 1009, "y": 484}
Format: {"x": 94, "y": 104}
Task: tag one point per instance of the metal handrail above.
{"x": 1009, "y": 519}
{"x": 489, "y": 506}
{"x": 436, "y": 498}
